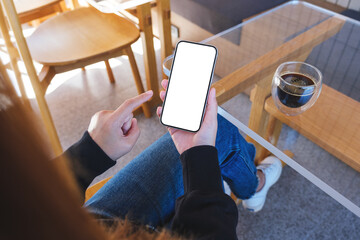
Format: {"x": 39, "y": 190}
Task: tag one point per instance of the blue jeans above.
{"x": 146, "y": 189}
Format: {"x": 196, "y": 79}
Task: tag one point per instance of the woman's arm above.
{"x": 111, "y": 135}
{"x": 87, "y": 160}
{"x": 204, "y": 211}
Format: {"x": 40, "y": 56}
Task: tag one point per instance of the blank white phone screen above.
{"x": 188, "y": 85}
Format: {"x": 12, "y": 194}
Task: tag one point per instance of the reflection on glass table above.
{"x": 325, "y": 139}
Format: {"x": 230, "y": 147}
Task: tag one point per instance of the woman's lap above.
{"x": 146, "y": 189}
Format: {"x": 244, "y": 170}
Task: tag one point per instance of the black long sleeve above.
{"x": 204, "y": 211}
{"x": 87, "y": 160}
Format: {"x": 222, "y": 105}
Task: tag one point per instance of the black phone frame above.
{"x": 207, "y": 94}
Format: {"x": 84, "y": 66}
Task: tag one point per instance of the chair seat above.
{"x": 79, "y": 35}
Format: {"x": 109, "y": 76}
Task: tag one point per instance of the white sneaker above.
{"x": 227, "y": 189}
{"x": 271, "y": 167}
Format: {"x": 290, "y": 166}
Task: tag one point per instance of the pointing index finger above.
{"x": 129, "y": 105}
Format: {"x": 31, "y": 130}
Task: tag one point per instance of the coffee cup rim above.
{"x": 304, "y": 63}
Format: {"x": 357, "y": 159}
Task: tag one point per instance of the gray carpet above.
{"x": 295, "y": 208}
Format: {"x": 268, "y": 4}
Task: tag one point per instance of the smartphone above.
{"x": 189, "y": 83}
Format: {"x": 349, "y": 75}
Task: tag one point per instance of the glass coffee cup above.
{"x": 295, "y": 87}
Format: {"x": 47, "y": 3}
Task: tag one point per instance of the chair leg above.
{"x": 109, "y": 72}
{"x": 25, "y": 55}
{"x": 14, "y": 56}
{"x": 62, "y": 6}
{"x": 46, "y": 74}
{"x": 146, "y": 106}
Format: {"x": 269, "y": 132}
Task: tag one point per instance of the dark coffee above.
{"x": 296, "y": 91}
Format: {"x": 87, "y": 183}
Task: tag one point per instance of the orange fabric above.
{"x": 94, "y": 188}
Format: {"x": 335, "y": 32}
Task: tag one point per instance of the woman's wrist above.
{"x": 201, "y": 169}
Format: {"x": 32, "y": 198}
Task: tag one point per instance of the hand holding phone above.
{"x": 189, "y": 82}
{"x": 184, "y": 140}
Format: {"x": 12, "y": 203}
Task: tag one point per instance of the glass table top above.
{"x": 250, "y": 52}
{"x": 324, "y": 139}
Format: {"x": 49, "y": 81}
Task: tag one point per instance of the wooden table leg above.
{"x": 146, "y": 32}
{"x": 164, "y": 20}
{"x": 259, "y": 118}
{"x": 272, "y": 134}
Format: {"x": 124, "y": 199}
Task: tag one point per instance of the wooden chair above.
{"x": 108, "y": 23}
{"x": 81, "y": 37}
{"x": 28, "y": 11}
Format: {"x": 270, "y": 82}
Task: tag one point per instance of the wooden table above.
{"x": 248, "y": 57}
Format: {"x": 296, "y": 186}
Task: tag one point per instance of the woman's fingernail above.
{"x": 149, "y": 92}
